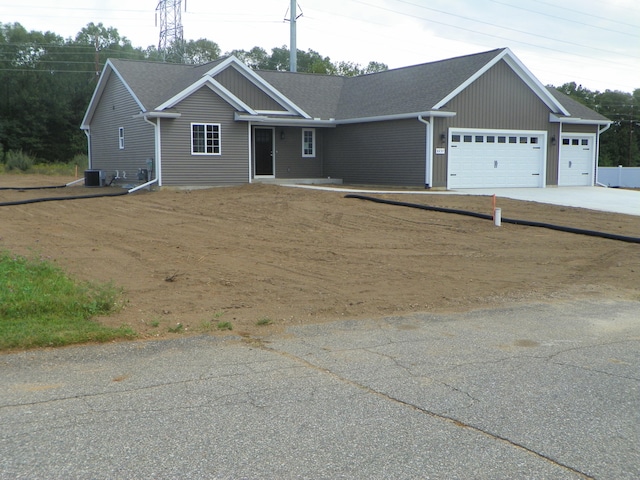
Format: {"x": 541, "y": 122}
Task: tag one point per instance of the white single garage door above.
{"x": 496, "y": 158}
{"x": 577, "y": 160}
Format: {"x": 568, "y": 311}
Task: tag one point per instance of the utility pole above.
{"x": 293, "y": 49}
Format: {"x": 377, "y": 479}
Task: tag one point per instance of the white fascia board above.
{"x": 523, "y": 72}
{"x": 259, "y": 82}
{"x": 292, "y": 122}
{"x": 399, "y": 116}
{"x": 155, "y": 114}
{"x": 97, "y": 93}
{"x": 577, "y": 121}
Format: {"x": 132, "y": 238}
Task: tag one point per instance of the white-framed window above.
{"x": 308, "y": 142}
{"x": 205, "y": 139}
{"x": 121, "y": 138}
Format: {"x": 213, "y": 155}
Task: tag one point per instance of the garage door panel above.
{"x": 577, "y": 160}
{"x": 486, "y": 159}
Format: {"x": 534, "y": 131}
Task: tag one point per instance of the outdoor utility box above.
{"x": 95, "y": 178}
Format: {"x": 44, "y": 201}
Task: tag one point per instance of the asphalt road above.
{"x": 542, "y": 391}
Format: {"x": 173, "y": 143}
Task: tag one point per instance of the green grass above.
{"x": 225, "y": 326}
{"x": 42, "y": 306}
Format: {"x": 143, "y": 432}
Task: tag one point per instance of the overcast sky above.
{"x": 594, "y": 43}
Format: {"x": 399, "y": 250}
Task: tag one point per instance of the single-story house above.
{"x": 475, "y": 121}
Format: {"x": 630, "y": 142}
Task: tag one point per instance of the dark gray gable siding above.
{"x": 115, "y": 109}
{"x": 499, "y": 99}
{"x": 180, "y": 168}
{"x": 378, "y": 153}
{"x": 289, "y": 160}
{"x": 246, "y": 91}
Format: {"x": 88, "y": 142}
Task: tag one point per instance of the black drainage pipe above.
{"x": 56, "y": 199}
{"x": 49, "y": 187}
{"x": 528, "y": 223}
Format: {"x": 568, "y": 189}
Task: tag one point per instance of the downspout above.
{"x": 429, "y": 151}
{"x": 558, "y": 147}
{"x": 249, "y": 149}
{"x": 600, "y": 132}
{"x": 158, "y": 166}
{"x": 87, "y": 132}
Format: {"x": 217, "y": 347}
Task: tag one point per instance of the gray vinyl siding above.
{"x": 289, "y": 160}
{"x": 377, "y": 153}
{"x": 242, "y": 88}
{"x": 116, "y": 109}
{"x": 181, "y": 168}
{"x": 570, "y": 128}
{"x": 499, "y": 99}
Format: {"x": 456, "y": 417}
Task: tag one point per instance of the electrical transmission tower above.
{"x": 171, "y": 33}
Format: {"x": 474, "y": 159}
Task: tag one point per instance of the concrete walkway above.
{"x": 529, "y": 392}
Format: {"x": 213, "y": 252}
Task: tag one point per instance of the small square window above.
{"x": 513, "y": 139}
{"x": 523, "y": 139}
{"x": 491, "y": 139}
{"x": 502, "y": 139}
{"x": 479, "y": 138}
{"x": 585, "y": 141}
{"x": 565, "y": 141}
{"x": 533, "y": 140}
{"x": 575, "y": 142}
{"x": 455, "y": 138}
{"x": 205, "y": 139}
{"x": 468, "y": 138}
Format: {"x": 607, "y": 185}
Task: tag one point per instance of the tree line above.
{"x": 46, "y": 83}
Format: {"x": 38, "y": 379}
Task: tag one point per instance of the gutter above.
{"x": 332, "y": 122}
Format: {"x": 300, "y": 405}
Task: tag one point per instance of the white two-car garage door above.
{"x": 577, "y": 160}
{"x": 496, "y": 158}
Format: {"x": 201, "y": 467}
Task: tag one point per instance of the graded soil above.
{"x": 257, "y": 258}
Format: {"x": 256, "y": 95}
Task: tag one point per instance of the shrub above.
{"x": 18, "y": 160}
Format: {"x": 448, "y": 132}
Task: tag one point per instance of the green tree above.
{"x": 620, "y": 144}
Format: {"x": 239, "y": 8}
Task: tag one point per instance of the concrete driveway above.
{"x": 538, "y": 391}
{"x": 594, "y": 198}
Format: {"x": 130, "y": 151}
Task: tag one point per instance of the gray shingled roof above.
{"x": 575, "y": 108}
{"x": 154, "y": 82}
{"x": 318, "y": 95}
{"x": 411, "y": 89}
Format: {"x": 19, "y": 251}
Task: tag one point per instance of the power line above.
{"x": 483, "y": 33}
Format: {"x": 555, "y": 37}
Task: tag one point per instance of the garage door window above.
{"x": 467, "y": 138}
{"x": 455, "y": 138}
{"x": 491, "y": 139}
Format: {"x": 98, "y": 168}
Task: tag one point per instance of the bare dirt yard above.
{"x": 278, "y": 256}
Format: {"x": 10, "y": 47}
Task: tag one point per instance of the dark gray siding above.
{"x": 377, "y": 153}
{"x": 499, "y": 99}
{"x": 246, "y": 91}
{"x": 116, "y": 109}
{"x": 180, "y": 168}
{"x": 289, "y": 160}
